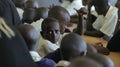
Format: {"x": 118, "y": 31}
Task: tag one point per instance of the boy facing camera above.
{"x": 50, "y": 35}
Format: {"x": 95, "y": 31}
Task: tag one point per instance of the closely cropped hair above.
{"x": 56, "y": 11}
{"x": 45, "y": 23}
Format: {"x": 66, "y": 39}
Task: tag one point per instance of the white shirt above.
{"x": 46, "y": 47}
{"x": 70, "y": 6}
{"x": 62, "y": 63}
{"x": 35, "y": 56}
{"x": 20, "y": 12}
{"x": 37, "y": 24}
{"x": 107, "y": 24}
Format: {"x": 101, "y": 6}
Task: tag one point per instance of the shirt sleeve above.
{"x": 110, "y": 23}
{"x": 75, "y": 4}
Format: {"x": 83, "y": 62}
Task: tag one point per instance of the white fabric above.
{"x": 37, "y": 24}
{"x": 107, "y": 24}
{"x": 70, "y": 6}
{"x": 20, "y": 12}
{"x": 46, "y": 47}
{"x": 62, "y": 63}
{"x": 35, "y": 56}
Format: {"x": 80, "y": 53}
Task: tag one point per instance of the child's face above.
{"x": 53, "y": 32}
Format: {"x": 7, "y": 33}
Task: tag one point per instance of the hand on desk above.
{"x": 101, "y": 49}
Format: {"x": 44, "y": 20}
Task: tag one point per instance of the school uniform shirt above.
{"x": 45, "y": 62}
{"x": 45, "y": 47}
{"x": 62, "y": 63}
{"x": 114, "y": 43}
{"x": 37, "y": 24}
{"x": 20, "y": 12}
{"x": 35, "y": 56}
{"x": 107, "y": 24}
{"x": 71, "y": 5}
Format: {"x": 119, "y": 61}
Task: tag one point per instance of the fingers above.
{"x": 6, "y": 29}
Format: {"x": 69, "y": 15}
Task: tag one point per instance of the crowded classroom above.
{"x": 60, "y": 33}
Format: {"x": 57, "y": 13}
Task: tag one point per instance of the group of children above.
{"x": 48, "y": 43}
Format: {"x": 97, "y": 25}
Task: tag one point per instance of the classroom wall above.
{"x": 113, "y": 2}
{"x": 47, "y": 3}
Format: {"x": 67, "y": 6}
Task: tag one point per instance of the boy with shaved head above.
{"x": 30, "y": 36}
{"x": 72, "y": 45}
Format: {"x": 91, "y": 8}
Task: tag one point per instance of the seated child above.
{"x": 31, "y": 4}
{"x": 29, "y": 15}
{"x": 30, "y": 36}
{"x": 50, "y": 35}
{"x": 84, "y": 62}
{"x": 41, "y": 13}
{"x": 72, "y": 45}
{"x": 20, "y": 4}
{"x": 105, "y": 22}
{"x": 13, "y": 48}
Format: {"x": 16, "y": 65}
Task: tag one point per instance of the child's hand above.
{"x": 6, "y": 29}
{"x": 101, "y": 49}
{"x": 81, "y": 11}
{"x": 90, "y": 3}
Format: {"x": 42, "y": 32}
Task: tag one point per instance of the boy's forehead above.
{"x": 53, "y": 25}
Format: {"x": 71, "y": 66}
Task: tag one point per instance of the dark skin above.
{"x": 102, "y": 59}
{"x": 72, "y": 46}
{"x": 61, "y": 15}
{"x": 84, "y": 62}
{"x": 50, "y": 30}
{"x": 41, "y": 12}
{"x": 30, "y": 36}
{"x": 19, "y": 3}
{"x": 118, "y": 24}
{"x": 29, "y": 15}
{"x": 101, "y": 9}
{"x": 80, "y": 26}
{"x": 31, "y": 4}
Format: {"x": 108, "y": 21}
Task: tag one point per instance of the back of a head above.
{"x": 72, "y": 45}
{"x": 84, "y": 62}
{"x": 59, "y": 13}
{"x": 102, "y": 59}
{"x": 29, "y": 15}
{"x": 42, "y": 12}
{"x": 62, "y": 15}
{"x": 29, "y": 34}
{"x": 31, "y": 4}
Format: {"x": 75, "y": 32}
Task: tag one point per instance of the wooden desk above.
{"x": 94, "y": 40}
{"x": 115, "y": 56}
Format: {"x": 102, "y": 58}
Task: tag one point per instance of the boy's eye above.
{"x": 50, "y": 32}
{"x": 57, "y": 31}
